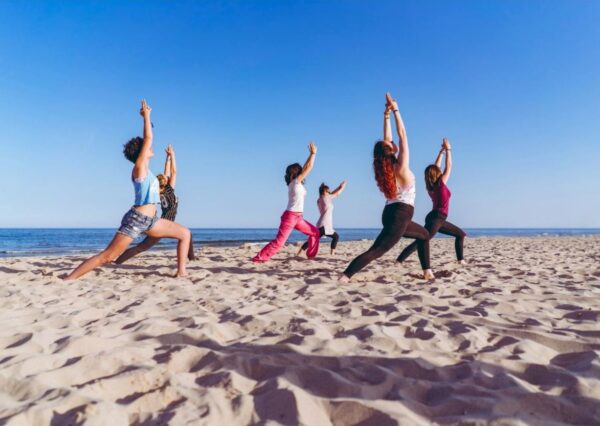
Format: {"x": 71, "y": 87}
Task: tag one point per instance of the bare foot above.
{"x": 181, "y": 275}
{"x": 462, "y": 262}
{"x": 428, "y": 275}
{"x": 343, "y": 279}
{"x": 332, "y": 252}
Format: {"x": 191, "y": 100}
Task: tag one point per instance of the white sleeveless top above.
{"x": 296, "y": 195}
{"x": 404, "y": 195}
{"x": 325, "y": 205}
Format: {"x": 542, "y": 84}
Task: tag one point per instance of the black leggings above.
{"x": 334, "y": 238}
{"x": 436, "y": 222}
{"x": 397, "y": 223}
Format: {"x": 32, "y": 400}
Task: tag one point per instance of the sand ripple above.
{"x": 511, "y": 339}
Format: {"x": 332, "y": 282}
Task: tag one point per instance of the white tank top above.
{"x": 296, "y": 195}
{"x": 404, "y": 195}
{"x": 326, "y": 209}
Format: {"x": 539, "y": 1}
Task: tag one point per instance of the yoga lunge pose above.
{"x": 292, "y": 217}
{"x": 141, "y": 218}
{"x": 168, "y": 205}
{"x": 325, "y": 222}
{"x": 397, "y": 182}
{"x": 435, "y": 181}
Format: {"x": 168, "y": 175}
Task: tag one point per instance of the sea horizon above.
{"x": 16, "y": 242}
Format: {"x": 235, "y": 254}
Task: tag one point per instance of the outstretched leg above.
{"x": 166, "y": 229}
{"x": 288, "y": 221}
{"x": 146, "y": 244}
{"x": 395, "y": 219}
{"x": 449, "y": 229}
{"x": 118, "y": 244}
{"x": 432, "y": 224}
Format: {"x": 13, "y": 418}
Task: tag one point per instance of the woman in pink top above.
{"x": 292, "y": 217}
{"x": 435, "y": 222}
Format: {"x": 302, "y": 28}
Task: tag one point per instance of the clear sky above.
{"x": 239, "y": 88}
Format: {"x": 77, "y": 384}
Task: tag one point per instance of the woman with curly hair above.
{"x": 168, "y": 203}
{"x": 141, "y": 218}
{"x": 435, "y": 221}
{"x": 397, "y": 182}
{"x": 292, "y": 217}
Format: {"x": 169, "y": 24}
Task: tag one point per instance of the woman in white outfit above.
{"x": 325, "y": 223}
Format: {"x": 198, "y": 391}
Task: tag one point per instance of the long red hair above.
{"x": 383, "y": 166}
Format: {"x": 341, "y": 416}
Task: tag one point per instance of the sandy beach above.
{"x": 512, "y": 338}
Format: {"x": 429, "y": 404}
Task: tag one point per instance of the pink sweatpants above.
{"x": 289, "y": 222}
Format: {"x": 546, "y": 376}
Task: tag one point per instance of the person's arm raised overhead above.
{"x": 140, "y": 170}
{"x": 167, "y": 171}
{"x": 438, "y": 159}
{"x": 310, "y": 161}
{"x": 448, "y": 166}
{"x": 387, "y": 126}
{"x": 337, "y": 191}
{"x": 173, "y": 171}
{"x": 403, "y": 152}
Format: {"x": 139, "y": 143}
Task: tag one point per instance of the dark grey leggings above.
{"x": 334, "y": 238}
{"x": 396, "y": 219}
{"x": 436, "y": 222}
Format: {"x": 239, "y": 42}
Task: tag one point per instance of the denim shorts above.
{"x": 135, "y": 223}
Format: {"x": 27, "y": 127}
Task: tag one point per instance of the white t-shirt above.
{"x": 296, "y": 195}
{"x": 325, "y": 204}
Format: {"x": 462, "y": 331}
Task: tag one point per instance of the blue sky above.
{"x": 239, "y": 88}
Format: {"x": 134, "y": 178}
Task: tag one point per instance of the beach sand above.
{"x": 512, "y": 338}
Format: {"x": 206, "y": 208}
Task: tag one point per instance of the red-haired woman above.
{"x": 435, "y": 221}
{"x": 397, "y": 182}
{"x": 292, "y": 217}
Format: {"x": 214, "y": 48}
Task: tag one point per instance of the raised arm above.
{"x": 438, "y": 159}
{"x": 167, "y": 171}
{"x": 310, "y": 161}
{"x": 140, "y": 170}
{"x": 448, "y": 166}
{"x": 387, "y": 127}
{"x": 403, "y": 169}
{"x": 337, "y": 191}
{"x": 173, "y": 170}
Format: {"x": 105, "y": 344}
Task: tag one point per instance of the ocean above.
{"x": 59, "y": 241}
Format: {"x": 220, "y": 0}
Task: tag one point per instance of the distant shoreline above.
{"x": 83, "y": 241}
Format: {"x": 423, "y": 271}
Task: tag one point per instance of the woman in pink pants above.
{"x": 292, "y": 216}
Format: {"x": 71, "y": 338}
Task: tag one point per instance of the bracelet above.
{"x": 395, "y": 110}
